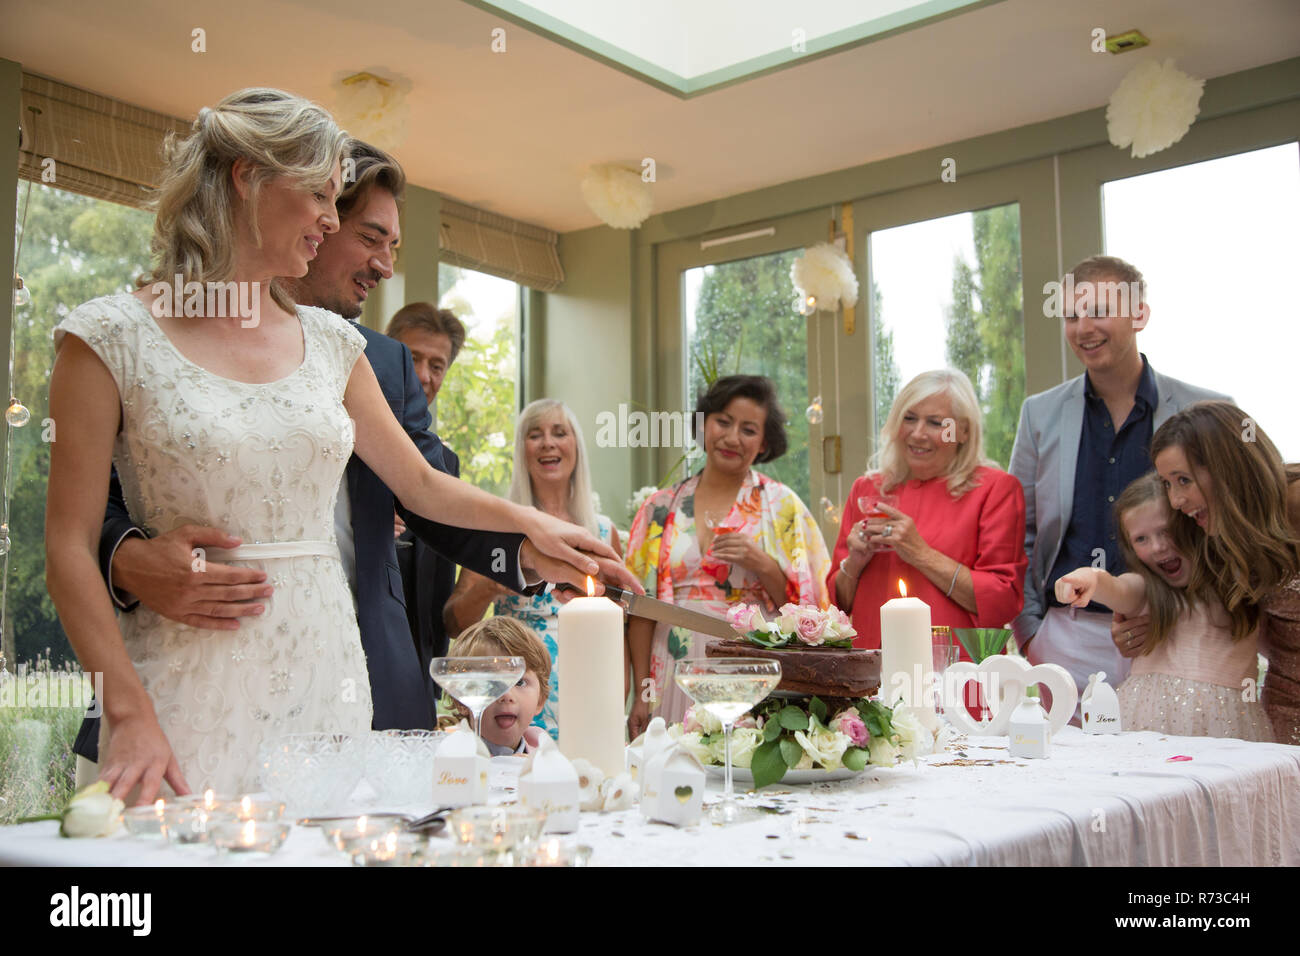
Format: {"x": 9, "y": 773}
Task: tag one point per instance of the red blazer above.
{"x": 984, "y": 529}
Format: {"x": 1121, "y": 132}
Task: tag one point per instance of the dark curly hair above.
{"x": 757, "y": 389}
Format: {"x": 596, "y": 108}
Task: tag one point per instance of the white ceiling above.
{"x": 513, "y": 132}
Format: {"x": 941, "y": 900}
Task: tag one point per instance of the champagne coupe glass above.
{"x": 476, "y": 681}
{"x": 728, "y": 688}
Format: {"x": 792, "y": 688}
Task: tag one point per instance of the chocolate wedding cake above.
{"x": 823, "y": 671}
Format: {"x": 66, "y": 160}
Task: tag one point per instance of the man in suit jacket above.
{"x": 1077, "y": 447}
{"x": 159, "y": 573}
{"x": 435, "y": 337}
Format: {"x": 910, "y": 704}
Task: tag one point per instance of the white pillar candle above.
{"x": 591, "y": 704}
{"x": 906, "y": 657}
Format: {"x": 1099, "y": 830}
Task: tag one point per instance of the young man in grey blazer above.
{"x": 1077, "y": 447}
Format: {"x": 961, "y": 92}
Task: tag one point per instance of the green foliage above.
{"x": 74, "y": 249}
{"x": 887, "y": 379}
{"x": 476, "y": 409}
{"x": 745, "y": 323}
{"x": 985, "y": 335}
{"x": 35, "y": 780}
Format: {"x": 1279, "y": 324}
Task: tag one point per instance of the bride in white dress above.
{"x": 220, "y": 420}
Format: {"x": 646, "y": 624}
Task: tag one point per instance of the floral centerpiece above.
{"x": 783, "y": 735}
{"x": 798, "y": 625}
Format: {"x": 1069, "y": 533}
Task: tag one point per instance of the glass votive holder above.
{"x": 208, "y": 800}
{"x": 495, "y": 828}
{"x": 251, "y": 837}
{"x": 392, "y": 849}
{"x": 344, "y": 831}
{"x": 144, "y": 823}
{"x": 186, "y": 824}
{"x": 261, "y": 809}
{"x": 553, "y": 853}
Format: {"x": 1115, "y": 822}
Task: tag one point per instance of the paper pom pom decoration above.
{"x": 372, "y": 109}
{"x": 617, "y": 195}
{"x": 825, "y": 275}
{"x": 1153, "y": 108}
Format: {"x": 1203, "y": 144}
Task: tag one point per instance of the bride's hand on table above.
{"x": 138, "y": 754}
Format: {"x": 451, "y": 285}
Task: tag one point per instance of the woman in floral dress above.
{"x": 727, "y": 535}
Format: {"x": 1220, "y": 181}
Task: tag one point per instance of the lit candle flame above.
{"x": 158, "y": 806}
{"x": 361, "y": 824}
{"x": 902, "y": 587}
{"x": 209, "y": 798}
{"x": 248, "y": 832}
{"x": 591, "y": 587}
{"x": 391, "y": 842}
{"x": 246, "y": 806}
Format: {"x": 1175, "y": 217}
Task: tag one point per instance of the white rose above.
{"x": 912, "y": 737}
{"x": 744, "y": 741}
{"x": 881, "y": 752}
{"x": 694, "y": 745}
{"x": 825, "y": 747}
{"x": 92, "y": 813}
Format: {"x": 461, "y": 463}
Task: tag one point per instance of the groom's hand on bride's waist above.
{"x": 170, "y": 575}
{"x": 555, "y": 571}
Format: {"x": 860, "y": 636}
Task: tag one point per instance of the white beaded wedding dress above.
{"x": 262, "y": 462}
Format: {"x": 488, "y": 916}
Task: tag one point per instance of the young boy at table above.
{"x": 507, "y": 723}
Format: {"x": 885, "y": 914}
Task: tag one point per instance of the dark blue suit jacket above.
{"x": 400, "y": 693}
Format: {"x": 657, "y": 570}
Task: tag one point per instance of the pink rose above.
{"x": 849, "y": 723}
{"x": 838, "y": 624}
{"x": 810, "y": 625}
{"x": 690, "y": 724}
{"x": 744, "y": 618}
{"x": 745, "y": 721}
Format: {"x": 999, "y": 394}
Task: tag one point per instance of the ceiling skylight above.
{"x": 692, "y": 46}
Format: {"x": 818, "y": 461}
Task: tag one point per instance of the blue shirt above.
{"x": 1108, "y": 461}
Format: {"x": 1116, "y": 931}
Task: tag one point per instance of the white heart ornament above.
{"x": 1003, "y": 679}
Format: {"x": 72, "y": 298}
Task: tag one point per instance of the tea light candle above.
{"x": 343, "y": 833}
{"x": 393, "y": 849}
{"x": 145, "y": 822}
{"x": 185, "y": 824}
{"x": 249, "y": 836}
{"x": 250, "y": 808}
{"x": 555, "y": 853}
{"x": 591, "y": 681}
{"x": 906, "y": 657}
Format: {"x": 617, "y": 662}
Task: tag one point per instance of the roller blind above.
{"x": 101, "y": 147}
{"x": 500, "y": 246}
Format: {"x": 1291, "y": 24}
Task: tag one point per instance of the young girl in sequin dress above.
{"x": 1190, "y": 678}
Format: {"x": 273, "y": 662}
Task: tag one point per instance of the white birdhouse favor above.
{"x": 1030, "y": 730}
{"x": 590, "y": 780}
{"x": 1100, "y": 706}
{"x": 672, "y": 787}
{"x": 640, "y": 752}
{"x": 549, "y": 783}
{"x": 460, "y": 770}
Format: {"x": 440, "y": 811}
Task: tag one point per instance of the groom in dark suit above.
{"x": 160, "y": 572}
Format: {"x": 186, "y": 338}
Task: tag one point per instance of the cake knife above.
{"x": 642, "y": 606}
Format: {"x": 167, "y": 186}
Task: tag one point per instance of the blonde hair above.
{"x": 279, "y": 134}
{"x": 506, "y": 636}
{"x": 890, "y": 460}
{"x": 1165, "y": 603}
{"x": 581, "y": 509}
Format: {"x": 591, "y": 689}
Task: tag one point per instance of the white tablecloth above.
{"x": 1097, "y": 800}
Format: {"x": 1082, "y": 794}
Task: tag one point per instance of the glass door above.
{"x": 727, "y": 306}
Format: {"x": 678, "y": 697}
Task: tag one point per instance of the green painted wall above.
{"x": 589, "y": 354}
